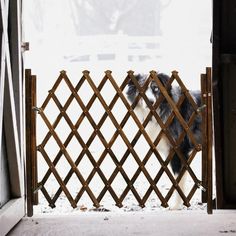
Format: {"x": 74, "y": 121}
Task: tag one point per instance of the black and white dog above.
{"x": 164, "y": 110}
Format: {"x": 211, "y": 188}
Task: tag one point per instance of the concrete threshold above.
{"x": 176, "y": 223}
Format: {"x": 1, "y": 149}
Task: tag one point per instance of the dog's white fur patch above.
{"x": 178, "y": 201}
{"x": 153, "y": 129}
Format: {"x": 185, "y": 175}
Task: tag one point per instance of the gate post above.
{"x": 204, "y": 136}
{"x": 209, "y": 141}
{"x": 31, "y": 161}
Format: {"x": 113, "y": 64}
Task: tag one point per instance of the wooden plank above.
{"x": 209, "y": 141}
{"x": 204, "y": 135}
{"x": 34, "y": 168}
{"x": 28, "y": 115}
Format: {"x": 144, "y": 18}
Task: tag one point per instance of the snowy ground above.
{"x": 183, "y": 46}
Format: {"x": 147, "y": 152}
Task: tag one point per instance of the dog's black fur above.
{"x": 164, "y": 110}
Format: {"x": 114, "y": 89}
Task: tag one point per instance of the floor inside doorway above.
{"x": 112, "y": 224}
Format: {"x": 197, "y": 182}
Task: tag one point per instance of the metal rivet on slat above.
{"x": 199, "y": 185}
{"x": 201, "y": 108}
{"x": 37, "y": 109}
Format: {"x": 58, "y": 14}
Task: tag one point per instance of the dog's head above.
{"x": 152, "y": 92}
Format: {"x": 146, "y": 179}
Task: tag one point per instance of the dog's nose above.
{"x": 151, "y": 101}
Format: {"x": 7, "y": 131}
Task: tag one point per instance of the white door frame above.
{"x": 11, "y": 112}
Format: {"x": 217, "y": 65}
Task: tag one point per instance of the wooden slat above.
{"x": 33, "y": 134}
{"x": 209, "y": 141}
{"x": 29, "y": 142}
{"x": 204, "y": 135}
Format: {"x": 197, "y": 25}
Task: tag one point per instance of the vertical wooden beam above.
{"x": 33, "y": 138}
{"x": 204, "y": 136}
{"x": 207, "y": 132}
{"x": 209, "y": 141}
{"x": 30, "y": 139}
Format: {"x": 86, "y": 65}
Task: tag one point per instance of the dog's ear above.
{"x": 137, "y": 77}
{"x": 163, "y": 78}
{"x": 132, "y": 89}
{"x": 131, "y": 86}
{"x": 131, "y": 92}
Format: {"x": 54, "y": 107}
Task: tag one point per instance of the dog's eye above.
{"x": 155, "y": 89}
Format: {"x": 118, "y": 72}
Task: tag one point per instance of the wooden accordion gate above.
{"x": 108, "y": 151}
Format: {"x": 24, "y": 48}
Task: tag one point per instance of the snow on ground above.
{"x": 184, "y": 45}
